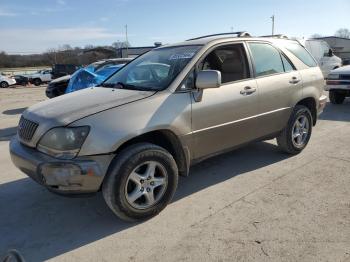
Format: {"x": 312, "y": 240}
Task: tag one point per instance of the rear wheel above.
{"x": 140, "y": 182}
{"x": 4, "y": 84}
{"x": 296, "y": 135}
{"x": 336, "y": 97}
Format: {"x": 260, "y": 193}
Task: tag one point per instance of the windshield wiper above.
{"x": 114, "y": 85}
{"x": 107, "y": 85}
{"x": 121, "y": 85}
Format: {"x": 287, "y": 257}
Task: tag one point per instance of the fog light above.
{"x": 61, "y": 174}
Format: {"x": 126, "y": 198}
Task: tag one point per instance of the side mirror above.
{"x": 208, "y": 79}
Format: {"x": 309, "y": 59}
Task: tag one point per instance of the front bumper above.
{"x": 337, "y": 87}
{"x": 77, "y": 176}
{"x": 337, "y": 84}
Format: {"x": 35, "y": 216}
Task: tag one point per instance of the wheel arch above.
{"x": 311, "y": 104}
{"x": 166, "y": 139}
{"x": 4, "y": 81}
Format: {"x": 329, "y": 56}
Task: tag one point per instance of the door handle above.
{"x": 294, "y": 80}
{"x": 247, "y": 90}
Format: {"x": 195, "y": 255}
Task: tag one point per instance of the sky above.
{"x": 35, "y": 26}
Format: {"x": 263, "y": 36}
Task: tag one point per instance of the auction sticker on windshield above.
{"x": 187, "y": 55}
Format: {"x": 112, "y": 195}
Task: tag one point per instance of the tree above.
{"x": 65, "y": 47}
{"x": 88, "y": 46}
{"x": 120, "y": 44}
{"x": 4, "y": 59}
{"x": 316, "y": 36}
{"x": 343, "y": 32}
{"x": 51, "y": 55}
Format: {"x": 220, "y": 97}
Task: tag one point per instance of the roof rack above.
{"x": 238, "y": 34}
{"x": 281, "y": 36}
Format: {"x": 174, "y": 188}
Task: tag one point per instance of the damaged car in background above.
{"x": 58, "y": 86}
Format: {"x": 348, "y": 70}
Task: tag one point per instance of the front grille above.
{"x": 344, "y": 77}
{"x": 26, "y": 129}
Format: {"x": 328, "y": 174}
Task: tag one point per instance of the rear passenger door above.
{"x": 279, "y": 86}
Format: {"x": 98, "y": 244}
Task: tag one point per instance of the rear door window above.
{"x": 266, "y": 59}
{"x": 288, "y": 67}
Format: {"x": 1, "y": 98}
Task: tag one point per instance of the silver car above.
{"x": 176, "y": 105}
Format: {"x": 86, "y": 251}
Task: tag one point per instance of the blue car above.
{"x": 87, "y": 77}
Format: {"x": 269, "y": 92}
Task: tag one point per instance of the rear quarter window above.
{"x": 300, "y": 52}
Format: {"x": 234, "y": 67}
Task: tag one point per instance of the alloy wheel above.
{"x": 146, "y": 185}
{"x": 300, "y": 131}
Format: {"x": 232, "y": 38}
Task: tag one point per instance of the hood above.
{"x": 342, "y": 70}
{"x": 63, "y": 110}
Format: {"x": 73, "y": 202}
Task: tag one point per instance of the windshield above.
{"x": 154, "y": 70}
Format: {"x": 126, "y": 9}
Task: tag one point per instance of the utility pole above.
{"x": 231, "y": 29}
{"x": 273, "y": 24}
{"x": 126, "y": 40}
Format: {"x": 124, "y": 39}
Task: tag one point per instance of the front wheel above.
{"x": 4, "y": 84}
{"x": 336, "y": 98}
{"x": 296, "y": 135}
{"x": 140, "y": 182}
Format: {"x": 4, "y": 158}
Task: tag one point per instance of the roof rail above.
{"x": 239, "y": 34}
{"x": 281, "y": 36}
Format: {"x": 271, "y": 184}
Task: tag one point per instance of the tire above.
{"x": 119, "y": 188}
{"x": 4, "y": 84}
{"x": 336, "y": 98}
{"x": 37, "y": 81}
{"x": 287, "y": 140}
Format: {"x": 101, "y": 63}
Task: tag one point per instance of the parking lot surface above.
{"x": 252, "y": 204}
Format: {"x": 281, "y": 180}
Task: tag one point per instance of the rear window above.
{"x": 301, "y": 53}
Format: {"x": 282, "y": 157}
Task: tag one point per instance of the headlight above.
{"x": 63, "y": 142}
{"x": 333, "y": 76}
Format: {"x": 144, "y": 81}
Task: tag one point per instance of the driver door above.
{"x": 224, "y": 117}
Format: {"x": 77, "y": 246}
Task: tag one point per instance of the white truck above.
{"x": 323, "y": 54}
{"x": 338, "y": 84}
{"x": 42, "y": 76}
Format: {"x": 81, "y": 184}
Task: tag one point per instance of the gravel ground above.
{"x": 252, "y": 204}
